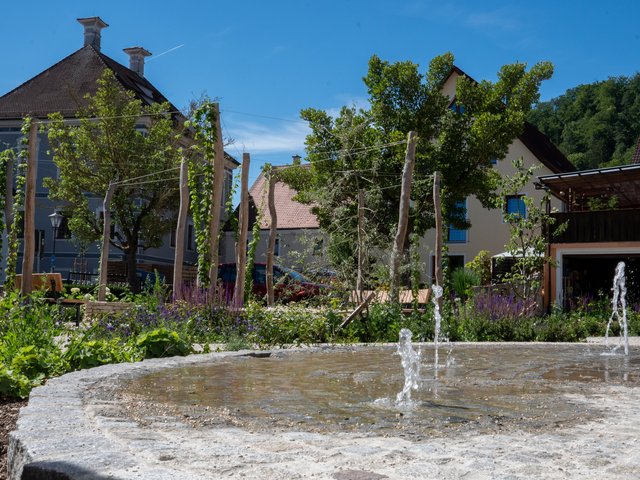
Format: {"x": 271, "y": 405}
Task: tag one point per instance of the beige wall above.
{"x": 488, "y": 231}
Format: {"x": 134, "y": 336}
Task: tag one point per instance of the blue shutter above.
{"x": 457, "y": 235}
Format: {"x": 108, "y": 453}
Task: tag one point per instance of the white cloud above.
{"x": 504, "y": 19}
{"x": 272, "y": 136}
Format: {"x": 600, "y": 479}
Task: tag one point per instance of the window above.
{"x": 172, "y": 238}
{"x": 63, "y": 230}
{"x": 190, "y": 238}
{"x": 457, "y": 108}
{"x": 318, "y": 247}
{"x": 260, "y": 274}
{"x": 454, "y": 262}
{"x": 276, "y": 248}
{"x": 458, "y": 235}
{"x": 514, "y": 205}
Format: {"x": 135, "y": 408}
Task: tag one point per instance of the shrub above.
{"x": 162, "y": 343}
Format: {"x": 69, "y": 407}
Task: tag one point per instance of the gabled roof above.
{"x": 536, "y": 141}
{"x": 291, "y": 214}
{"x": 63, "y": 86}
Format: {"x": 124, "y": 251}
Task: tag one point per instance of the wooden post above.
{"x": 216, "y": 201}
{"x": 438, "y": 247}
{"x": 361, "y": 252}
{"x": 273, "y": 232}
{"x": 8, "y": 195}
{"x": 243, "y": 225}
{"x": 403, "y": 216}
{"x": 28, "y": 251}
{"x": 104, "y": 251}
{"x": 181, "y": 227}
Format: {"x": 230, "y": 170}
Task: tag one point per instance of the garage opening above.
{"x": 586, "y": 277}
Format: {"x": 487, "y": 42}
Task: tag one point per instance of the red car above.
{"x": 288, "y": 285}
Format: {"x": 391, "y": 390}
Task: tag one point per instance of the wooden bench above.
{"x": 52, "y": 284}
{"x": 405, "y": 297}
{"x": 95, "y": 309}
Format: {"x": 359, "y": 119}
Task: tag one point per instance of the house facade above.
{"x": 600, "y": 227}
{"x": 488, "y": 229}
{"x": 62, "y": 88}
{"x": 299, "y": 243}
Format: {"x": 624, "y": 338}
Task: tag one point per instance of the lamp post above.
{"x": 56, "y": 221}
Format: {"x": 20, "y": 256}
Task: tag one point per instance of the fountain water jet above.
{"x": 437, "y": 293}
{"x": 410, "y": 359}
{"x": 619, "y": 307}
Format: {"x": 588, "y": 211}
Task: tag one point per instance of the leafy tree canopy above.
{"x": 364, "y": 149}
{"x": 116, "y": 139}
{"x": 594, "y": 125}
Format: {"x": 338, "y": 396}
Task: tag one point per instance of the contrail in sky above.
{"x": 165, "y": 52}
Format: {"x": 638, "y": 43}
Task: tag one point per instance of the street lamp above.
{"x": 56, "y": 221}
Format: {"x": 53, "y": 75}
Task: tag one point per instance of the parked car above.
{"x": 288, "y": 285}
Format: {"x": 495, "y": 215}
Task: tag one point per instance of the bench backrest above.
{"x": 51, "y": 282}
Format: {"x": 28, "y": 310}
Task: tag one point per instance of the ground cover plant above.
{"x": 37, "y": 342}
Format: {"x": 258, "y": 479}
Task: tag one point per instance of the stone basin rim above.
{"x": 32, "y": 454}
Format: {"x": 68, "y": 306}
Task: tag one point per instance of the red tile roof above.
{"x": 291, "y": 214}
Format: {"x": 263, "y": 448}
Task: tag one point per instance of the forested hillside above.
{"x": 595, "y": 125}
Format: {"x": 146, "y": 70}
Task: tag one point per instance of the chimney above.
{"x": 136, "y": 59}
{"x": 92, "y": 27}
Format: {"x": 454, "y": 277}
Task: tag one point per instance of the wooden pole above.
{"x": 216, "y": 201}
{"x": 403, "y": 216}
{"x": 104, "y": 251}
{"x": 8, "y": 195}
{"x": 361, "y": 252}
{"x": 438, "y": 247}
{"x": 181, "y": 227}
{"x": 243, "y": 225}
{"x": 28, "y": 251}
{"x": 273, "y": 232}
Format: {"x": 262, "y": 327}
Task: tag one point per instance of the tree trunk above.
{"x": 29, "y": 212}
{"x": 8, "y": 195}
{"x": 243, "y": 225}
{"x": 273, "y": 232}
{"x": 361, "y": 252}
{"x": 438, "y": 247}
{"x": 104, "y": 251}
{"x": 403, "y": 216}
{"x": 181, "y": 227}
{"x": 216, "y": 201}
{"x": 132, "y": 264}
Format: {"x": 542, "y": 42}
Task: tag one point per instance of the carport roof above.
{"x": 575, "y": 188}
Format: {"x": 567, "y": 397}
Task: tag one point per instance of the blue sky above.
{"x": 266, "y": 60}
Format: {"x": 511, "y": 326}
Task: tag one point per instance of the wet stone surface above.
{"x": 482, "y": 389}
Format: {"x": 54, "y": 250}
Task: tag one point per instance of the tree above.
{"x": 528, "y": 227}
{"x": 364, "y": 148}
{"x": 594, "y": 125}
{"x": 117, "y": 139}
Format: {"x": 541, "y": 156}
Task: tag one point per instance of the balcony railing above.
{"x": 600, "y": 226}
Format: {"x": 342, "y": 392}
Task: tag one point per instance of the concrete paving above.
{"x": 73, "y": 429}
